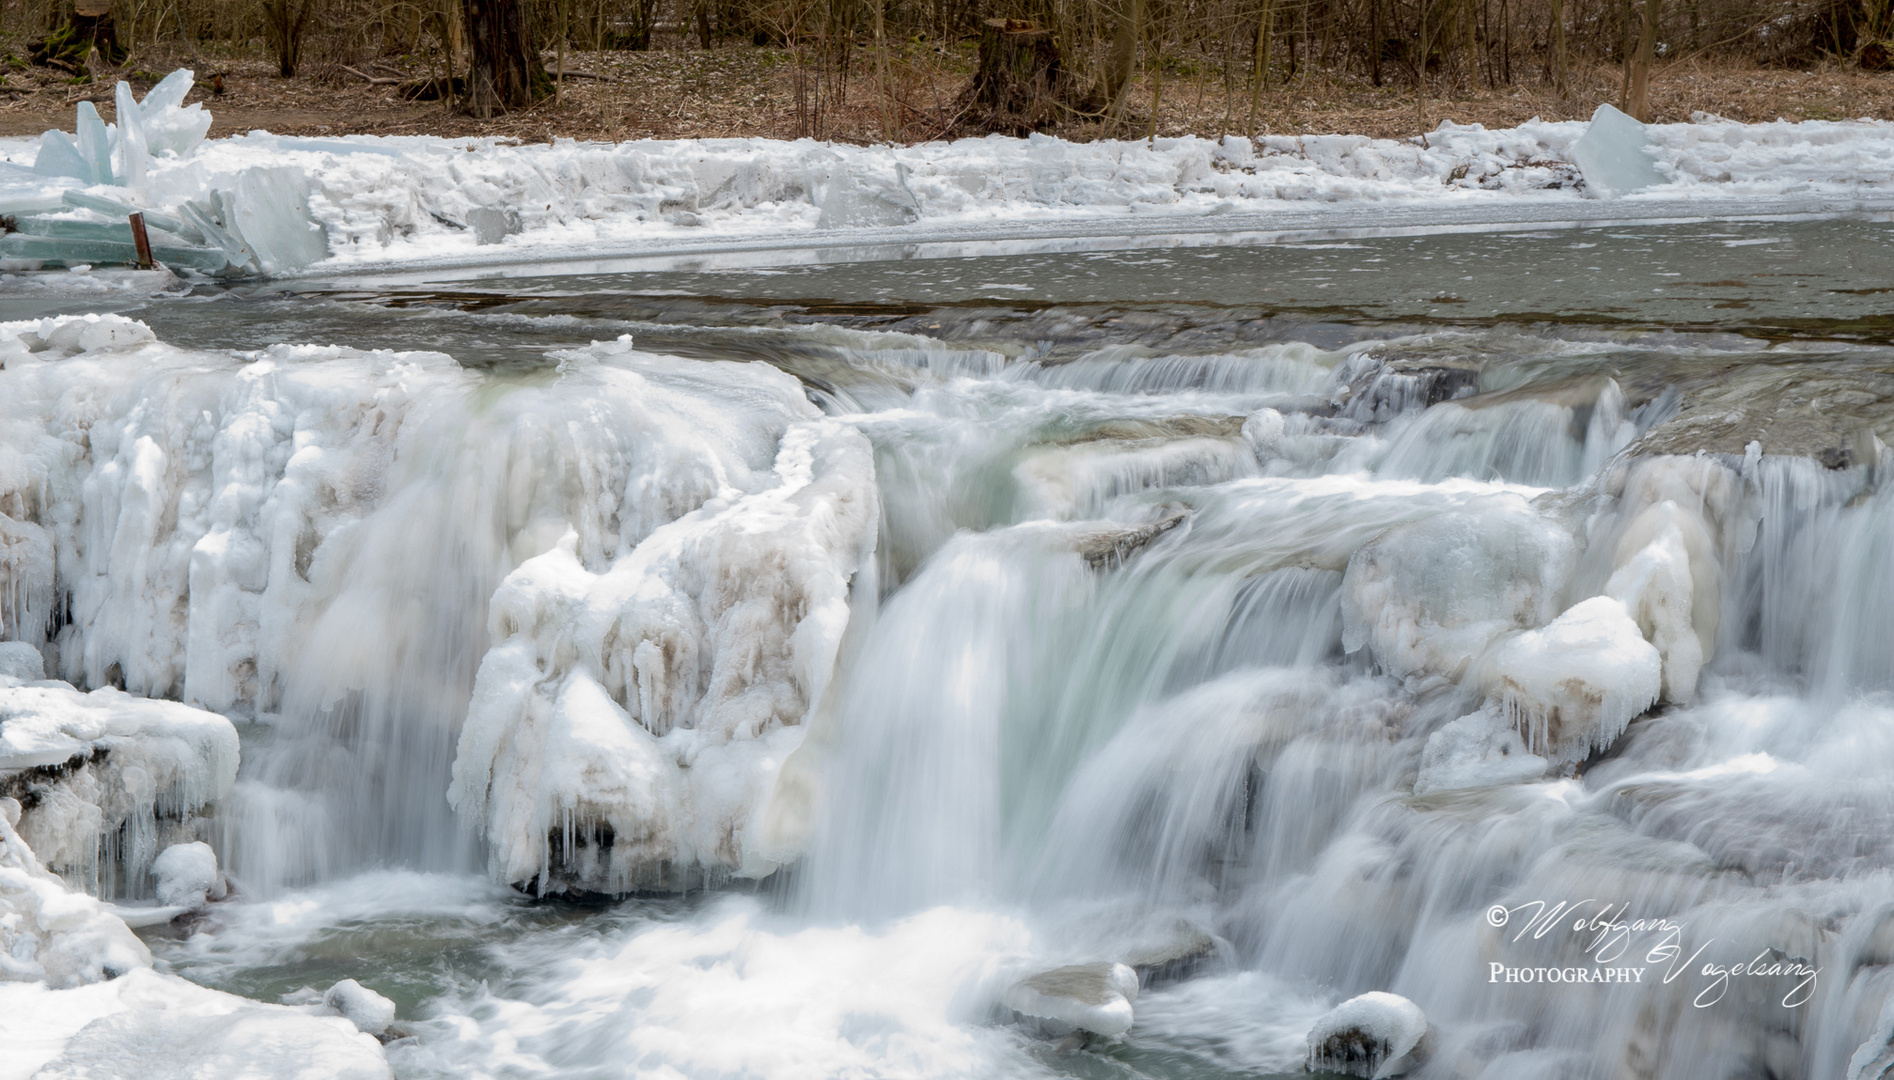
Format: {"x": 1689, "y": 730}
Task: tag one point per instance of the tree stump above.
{"x": 88, "y": 27}
{"x": 506, "y": 71}
{"x": 1020, "y": 85}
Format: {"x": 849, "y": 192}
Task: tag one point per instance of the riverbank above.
{"x": 743, "y": 91}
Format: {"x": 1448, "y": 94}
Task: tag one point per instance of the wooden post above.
{"x": 141, "y": 241}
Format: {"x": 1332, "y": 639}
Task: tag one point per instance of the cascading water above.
{"x": 1279, "y": 667}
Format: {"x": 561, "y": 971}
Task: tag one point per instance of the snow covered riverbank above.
{"x": 286, "y": 205}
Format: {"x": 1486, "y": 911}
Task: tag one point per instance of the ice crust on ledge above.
{"x": 113, "y": 777}
{"x": 263, "y": 203}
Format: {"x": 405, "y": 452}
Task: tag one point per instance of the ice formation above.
{"x": 712, "y": 519}
{"x": 627, "y": 726}
{"x": 1611, "y": 155}
{"x": 1374, "y": 1035}
{"x": 1098, "y": 998}
{"x": 262, "y": 203}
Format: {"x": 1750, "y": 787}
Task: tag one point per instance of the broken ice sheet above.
{"x": 1611, "y": 155}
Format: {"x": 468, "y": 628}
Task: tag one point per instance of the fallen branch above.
{"x": 588, "y": 75}
{"x": 374, "y": 80}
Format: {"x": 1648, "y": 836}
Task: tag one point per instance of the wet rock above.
{"x": 1374, "y": 1035}
{"x": 1096, "y": 998}
{"x": 1181, "y": 953}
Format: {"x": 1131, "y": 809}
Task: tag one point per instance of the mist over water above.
{"x": 1283, "y": 647}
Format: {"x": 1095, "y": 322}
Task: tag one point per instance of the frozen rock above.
{"x": 1434, "y": 595}
{"x": 21, "y": 661}
{"x": 1874, "y": 1058}
{"x": 187, "y": 875}
{"x": 1480, "y": 749}
{"x": 1374, "y": 1035}
{"x": 1086, "y": 997}
{"x": 1611, "y": 155}
{"x": 368, "y": 1011}
{"x": 1574, "y": 686}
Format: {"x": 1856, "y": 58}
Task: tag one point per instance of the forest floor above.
{"x": 742, "y": 90}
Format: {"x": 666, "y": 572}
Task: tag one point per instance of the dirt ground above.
{"x": 740, "y": 90}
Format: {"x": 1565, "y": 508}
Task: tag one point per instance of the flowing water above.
{"x": 1110, "y": 686}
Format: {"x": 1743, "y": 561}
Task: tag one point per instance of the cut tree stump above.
{"x": 88, "y": 28}
{"x": 1020, "y": 86}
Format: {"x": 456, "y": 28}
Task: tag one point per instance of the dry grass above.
{"x": 740, "y": 90}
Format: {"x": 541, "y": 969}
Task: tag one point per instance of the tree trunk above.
{"x": 505, "y": 71}
{"x": 1638, "y": 102}
{"x": 1123, "y": 55}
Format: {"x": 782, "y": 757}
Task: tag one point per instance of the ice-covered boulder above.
{"x": 1085, "y": 997}
{"x": 1480, "y": 749}
{"x": 628, "y": 725}
{"x": 105, "y": 766}
{"x": 1432, "y": 596}
{"x": 1374, "y": 1035}
{"x": 370, "y": 1012}
{"x": 1611, "y": 155}
{"x": 187, "y": 875}
{"x": 1575, "y": 685}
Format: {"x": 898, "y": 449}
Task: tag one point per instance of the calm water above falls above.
{"x": 1285, "y": 621}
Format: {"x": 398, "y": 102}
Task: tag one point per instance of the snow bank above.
{"x": 630, "y": 720}
{"x": 109, "y": 778}
{"x": 273, "y": 204}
